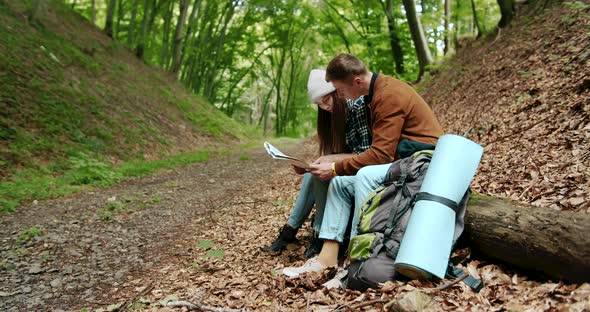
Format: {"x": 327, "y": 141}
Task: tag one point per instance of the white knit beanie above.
{"x": 317, "y": 86}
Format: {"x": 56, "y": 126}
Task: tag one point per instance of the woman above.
{"x": 337, "y": 127}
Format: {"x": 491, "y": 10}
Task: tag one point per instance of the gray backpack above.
{"x": 383, "y": 219}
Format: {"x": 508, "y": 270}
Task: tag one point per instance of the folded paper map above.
{"x": 276, "y": 154}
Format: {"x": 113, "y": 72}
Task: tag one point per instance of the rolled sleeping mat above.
{"x": 427, "y": 243}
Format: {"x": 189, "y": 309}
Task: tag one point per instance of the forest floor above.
{"x": 194, "y": 234}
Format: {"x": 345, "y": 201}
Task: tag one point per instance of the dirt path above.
{"x": 194, "y": 234}
{"x": 83, "y": 260}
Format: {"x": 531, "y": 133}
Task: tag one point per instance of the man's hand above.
{"x": 299, "y": 170}
{"x": 322, "y": 171}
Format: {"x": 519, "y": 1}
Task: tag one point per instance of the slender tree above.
{"x": 131, "y": 27}
{"x": 447, "y": 37}
{"x": 507, "y": 10}
{"x": 93, "y": 11}
{"x": 456, "y": 25}
{"x": 178, "y": 36}
{"x": 165, "y": 48}
{"x": 418, "y": 37}
{"x": 108, "y": 27}
{"x": 139, "y": 48}
{"x": 120, "y": 16}
{"x": 36, "y": 7}
{"x": 396, "y": 48}
{"x": 475, "y": 19}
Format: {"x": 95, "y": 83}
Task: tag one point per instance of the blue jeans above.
{"x": 312, "y": 191}
{"x": 346, "y": 194}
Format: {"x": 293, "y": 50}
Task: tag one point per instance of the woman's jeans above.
{"x": 312, "y": 191}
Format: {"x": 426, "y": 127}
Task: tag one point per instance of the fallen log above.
{"x": 555, "y": 244}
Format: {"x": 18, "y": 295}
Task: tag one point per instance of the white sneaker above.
{"x": 336, "y": 282}
{"x": 311, "y": 265}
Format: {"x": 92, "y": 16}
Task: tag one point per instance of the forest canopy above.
{"x": 251, "y": 58}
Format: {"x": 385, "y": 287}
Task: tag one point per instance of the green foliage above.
{"x": 215, "y": 253}
{"x": 154, "y": 200}
{"x": 140, "y": 168}
{"x": 8, "y": 205}
{"x": 244, "y": 157}
{"x": 211, "y": 253}
{"x": 28, "y": 234}
{"x": 205, "y": 244}
{"x": 577, "y": 5}
{"x": 111, "y": 209}
{"x": 86, "y": 170}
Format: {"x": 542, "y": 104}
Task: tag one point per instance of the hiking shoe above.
{"x": 314, "y": 248}
{"x": 311, "y": 265}
{"x": 286, "y": 236}
{"x": 336, "y": 282}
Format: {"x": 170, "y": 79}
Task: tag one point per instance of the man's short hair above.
{"x": 345, "y": 66}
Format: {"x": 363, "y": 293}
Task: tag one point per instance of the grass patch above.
{"x": 111, "y": 209}
{"x": 83, "y": 171}
{"x": 140, "y": 168}
{"x": 28, "y": 234}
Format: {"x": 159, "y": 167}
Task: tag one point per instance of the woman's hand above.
{"x": 324, "y": 159}
{"x": 299, "y": 170}
{"x": 322, "y": 171}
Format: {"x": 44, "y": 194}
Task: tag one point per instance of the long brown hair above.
{"x": 331, "y": 127}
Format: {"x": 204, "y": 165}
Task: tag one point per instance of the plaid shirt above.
{"x": 358, "y": 133}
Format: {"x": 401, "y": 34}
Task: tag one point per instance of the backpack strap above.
{"x": 455, "y": 272}
{"x": 439, "y": 199}
{"x": 396, "y": 214}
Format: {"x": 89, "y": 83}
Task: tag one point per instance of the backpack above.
{"x": 383, "y": 218}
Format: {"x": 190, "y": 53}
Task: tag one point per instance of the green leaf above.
{"x": 205, "y": 244}
{"x": 216, "y": 253}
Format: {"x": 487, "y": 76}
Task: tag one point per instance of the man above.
{"x": 343, "y": 132}
{"x": 401, "y": 123}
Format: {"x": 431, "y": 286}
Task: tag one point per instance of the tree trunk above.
{"x": 131, "y": 27}
{"x": 539, "y": 240}
{"x": 456, "y": 25}
{"x": 120, "y": 16}
{"x": 420, "y": 43}
{"x": 36, "y": 7}
{"x": 507, "y": 11}
{"x": 108, "y": 27}
{"x": 475, "y": 19}
{"x": 178, "y": 35}
{"x": 93, "y": 12}
{"x": 396, "y": 48}
{"x": 165, "y": 50}
{"x": 139, "y": 49}
{"x": 447, "y": 36}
